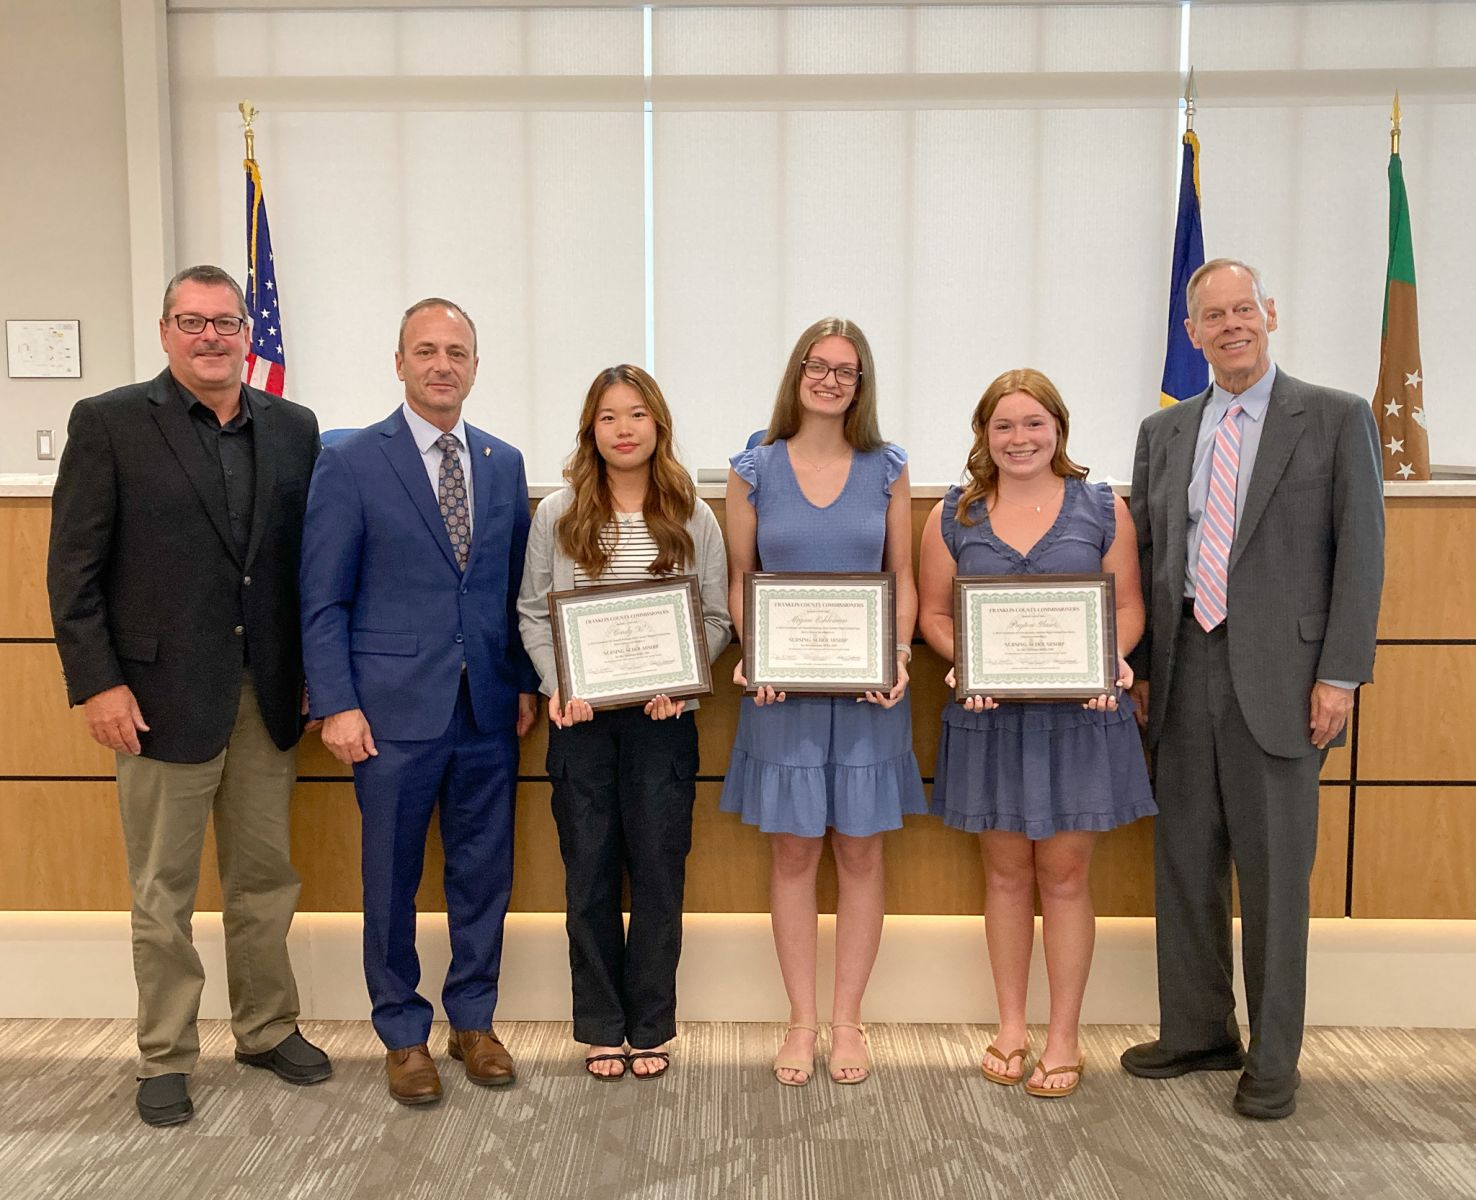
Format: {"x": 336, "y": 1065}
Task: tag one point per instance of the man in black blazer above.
{"x": 175, "y": 538}
{"x": 1260, "y": 519}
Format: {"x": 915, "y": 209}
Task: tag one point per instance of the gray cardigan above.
{"x": 548, "y": 569}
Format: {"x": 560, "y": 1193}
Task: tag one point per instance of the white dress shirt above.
{"x": 425, "y": 435}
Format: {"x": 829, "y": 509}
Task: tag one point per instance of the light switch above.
{"x": 45, "y": 444}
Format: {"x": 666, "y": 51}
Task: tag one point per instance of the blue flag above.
{"x": 1185, "y": 372}
{"x": 266, "y": 364}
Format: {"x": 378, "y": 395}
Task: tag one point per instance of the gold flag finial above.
{"x": 1394, "y": 125}
{"x": 1191, "y": 94}
{"x": 248, "y": 114}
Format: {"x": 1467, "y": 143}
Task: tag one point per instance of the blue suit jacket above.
{"x": 387, "y": 618}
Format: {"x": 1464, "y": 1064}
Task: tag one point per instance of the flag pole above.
{"x": 266, "y": 364}
{"x": 1184, "y": 370}
{"x": 248, "y": 114}
{"x": 1399, "y": 395}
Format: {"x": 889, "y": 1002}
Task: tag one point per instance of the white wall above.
{"x": 502, "y": 166}
{"x": 64, "y": 235}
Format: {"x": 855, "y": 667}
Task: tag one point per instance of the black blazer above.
{"x": 147, "y": 585}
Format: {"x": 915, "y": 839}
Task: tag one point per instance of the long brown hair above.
{"x": 983, "y": 475}
{"x": 860, "y": 429}
{"x": 584, "y": 531}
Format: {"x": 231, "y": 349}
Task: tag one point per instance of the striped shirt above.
{"x": 632, "y": 551}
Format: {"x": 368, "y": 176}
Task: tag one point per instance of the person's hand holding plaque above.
{"x": 899, "y": 689}
{"x": 659, "y": 708}
{"x": 971, "y": 704}
{"x": 763, "y": 695}
{"x": 1107, "y": 701}
{"x": 572, "y": 713}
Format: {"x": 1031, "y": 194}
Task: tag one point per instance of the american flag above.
{"x": 266, "y": 363}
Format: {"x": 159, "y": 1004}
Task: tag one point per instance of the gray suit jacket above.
{"x": 1307, "y": 566}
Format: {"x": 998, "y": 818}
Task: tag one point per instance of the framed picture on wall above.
{"x": 43, "y": 349}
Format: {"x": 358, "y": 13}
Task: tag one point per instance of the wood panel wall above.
{"x": 1398, "y": 804}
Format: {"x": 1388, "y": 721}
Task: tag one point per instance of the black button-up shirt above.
{"x": 231, "y": 448}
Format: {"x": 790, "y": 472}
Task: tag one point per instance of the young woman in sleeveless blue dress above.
{"x": 824, "y": 492}
{"x": 1038, "y": 782}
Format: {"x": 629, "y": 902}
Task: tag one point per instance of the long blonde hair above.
{"x": 983, "y": 474}
{"x": 584, "y": 532}
{"x": 860, "y": 429}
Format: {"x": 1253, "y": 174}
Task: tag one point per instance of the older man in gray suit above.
{"x": 1260, "y": 520}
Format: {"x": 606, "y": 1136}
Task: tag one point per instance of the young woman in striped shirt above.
{"x": 624, "y": 780}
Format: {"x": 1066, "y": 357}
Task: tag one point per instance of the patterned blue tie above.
{"x": 451, "y": 492}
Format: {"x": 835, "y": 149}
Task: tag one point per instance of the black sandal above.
{"x": 594, "y": 1058}
{"x": 661, "y": 1054}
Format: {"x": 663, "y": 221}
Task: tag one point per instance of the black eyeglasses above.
{"x": 194, "y": 323}
{"x": 846, "y": 376}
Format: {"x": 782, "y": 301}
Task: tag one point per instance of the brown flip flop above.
{"x": 996, "y": 1076}
{"x": 1050, "y": 1093}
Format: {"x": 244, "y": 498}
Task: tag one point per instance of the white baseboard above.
{"x": 930, "y": 969}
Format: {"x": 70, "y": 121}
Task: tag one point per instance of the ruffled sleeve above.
{"x": 746, "y": 466}
{"x": 949, "y": 523}
{"x": 894, "y": 458}
{"x": 1102, "y": 504}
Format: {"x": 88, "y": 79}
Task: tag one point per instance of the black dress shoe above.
{"x": 164, "y": 1099}
{"x": 1267, "y": 1099}
{"x": 1152, "y": 1060}
{"x": 294, "y": 1059}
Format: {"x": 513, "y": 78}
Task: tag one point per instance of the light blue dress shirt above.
{"x": 425, "y": 435}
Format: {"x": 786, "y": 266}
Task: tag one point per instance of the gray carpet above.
{"x": 1383, "y": 1113}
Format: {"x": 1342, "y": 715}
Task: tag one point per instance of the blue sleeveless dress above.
{"x": 1039, "y": 769}
{"x": 815, "y": 762}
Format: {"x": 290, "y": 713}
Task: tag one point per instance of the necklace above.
{"x": 1028, "y": 507}
{"x": 820, "y": 466}
{"x": 626, "y": 518}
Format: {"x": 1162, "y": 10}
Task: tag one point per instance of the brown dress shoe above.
{"x": 487, "y": 1060}
{"x": 413, "y": 1078}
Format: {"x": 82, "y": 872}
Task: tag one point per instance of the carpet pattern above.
{"x": 1382, "y": 1113}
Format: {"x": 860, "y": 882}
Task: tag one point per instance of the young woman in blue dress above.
{"x": 1038, "y": 782}
{"x": 624, "y": 780}
{"x": 824, "y": 492}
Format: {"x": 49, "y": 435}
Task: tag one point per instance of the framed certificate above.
{"x": 820, "y": 635}
{"x": 622, "y": 643}
{"x": 1034, "y": 637}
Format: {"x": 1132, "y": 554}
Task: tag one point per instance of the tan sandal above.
{"x": 1050, "y": 1093}
{"x": 805, "y": 1066}
{"x": 862, "y": 1064}
{"x": 1000, "y": 1077}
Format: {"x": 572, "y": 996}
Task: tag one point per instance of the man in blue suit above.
{"x": 411, "y": 563}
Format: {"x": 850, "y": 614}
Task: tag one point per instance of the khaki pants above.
{"x": 165, "y": 806}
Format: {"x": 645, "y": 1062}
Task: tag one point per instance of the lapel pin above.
{"x": 486, "y": 451}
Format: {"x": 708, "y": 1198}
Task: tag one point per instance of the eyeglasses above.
{"x": 193, "y": 323}
{"x": 846, "y": 376}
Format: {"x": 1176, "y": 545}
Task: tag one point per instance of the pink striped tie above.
{"x": 1217, "y": 527}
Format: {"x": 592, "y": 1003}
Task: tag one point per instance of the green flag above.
{"x": 1399, "y": 400}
